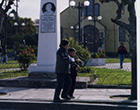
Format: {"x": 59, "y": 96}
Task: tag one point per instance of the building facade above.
{"x": 95, "y": 34}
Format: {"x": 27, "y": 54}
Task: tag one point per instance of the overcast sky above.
{"x": 31, "y": 8}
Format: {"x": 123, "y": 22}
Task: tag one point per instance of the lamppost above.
{"x": 8, "y": 17}
{"x": 75, "y": 29}
{"x": 79, "y": 7}
{"x": 90, "y": 18}
{"x": 85, "y": 39}
{"x": 13, "y": 14}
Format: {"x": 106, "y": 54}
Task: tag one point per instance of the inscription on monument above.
{"x": 47, "y": 24}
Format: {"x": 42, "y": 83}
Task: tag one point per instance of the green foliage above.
{"x": 85, "y": 69}
{"x": 116, "y": 60}
{"x": 15, "y": 73}
{"x": 16, "y": 34}
{"x": 81, "y": 53}
{"x": 94, "y": 56}
{"x": 11, "y": 64}
{"x": 25, "y": 58}
{"x": 100, "y": 54}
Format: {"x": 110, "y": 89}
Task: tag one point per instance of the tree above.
{"x": 131, "y": 29}
{"x": 5, "y": 5}
{"x": 18, "y": 33}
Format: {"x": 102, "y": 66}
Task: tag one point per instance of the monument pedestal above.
{"x": 48, "y": 40}
{"x": 41, "y": 72}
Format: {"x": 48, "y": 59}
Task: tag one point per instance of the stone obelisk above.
{"x": 49, "y": 40}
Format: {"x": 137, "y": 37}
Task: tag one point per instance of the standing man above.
{"x": 62, "y": 70}
{"x": 4, "y": 54}
{"x": 122, "y": 51}
{"x": 0, "y": 49}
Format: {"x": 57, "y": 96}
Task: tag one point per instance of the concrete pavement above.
{"x": 46, "y": 94}
{"x": 90, "y": 94}
{"x": 85, "y": 99}
{"x": 126, "y": 66}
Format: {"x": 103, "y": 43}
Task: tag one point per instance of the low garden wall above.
{"x": 96, "y": 62}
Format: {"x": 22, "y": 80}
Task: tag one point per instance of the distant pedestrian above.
{"x": 62, "y": 70}
{"x": 0, "y": 50}
{"x": 73, "y": 71}
{"x": 4, "y": 54}
{"x": 122, "y": 51}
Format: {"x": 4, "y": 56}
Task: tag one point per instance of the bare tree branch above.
{"x": 121, "y": 24}
{"x": 8, "y": 6}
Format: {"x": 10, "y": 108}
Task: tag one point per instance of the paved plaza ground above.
{"x": 88, "y": 94}
{"x": 126, "y": 66}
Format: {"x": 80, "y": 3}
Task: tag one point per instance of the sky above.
{"x": 31, "y": 8}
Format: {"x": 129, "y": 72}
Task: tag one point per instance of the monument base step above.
{"x": 38, "y": 83}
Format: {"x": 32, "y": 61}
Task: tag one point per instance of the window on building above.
{"x": 90, "y": 8}
{"x": 96, "y": 9}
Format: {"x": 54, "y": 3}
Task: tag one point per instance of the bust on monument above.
{"x": 48, "y": 9}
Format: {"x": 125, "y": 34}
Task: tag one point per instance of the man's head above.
{"x": 64, "y": 43}
{"x": 48, "y": 7}
{"x": 71, "y": 52}
{"x": 122, "y": 44}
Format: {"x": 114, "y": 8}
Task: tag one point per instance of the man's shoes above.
{"x": 121, "y": 67}
{"x": 66, "y": 98}
{"x": 57, "y": 100}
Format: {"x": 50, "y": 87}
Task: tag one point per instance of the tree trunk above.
{"x": 134, "y": 78}
{"x": 131, "y": 28}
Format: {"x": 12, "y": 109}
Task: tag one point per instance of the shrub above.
{"x": 85, "y": 70}
{"x": 100, "y": 54}
{"x": 81, "y": 53}
{"x": 25, "y": 58}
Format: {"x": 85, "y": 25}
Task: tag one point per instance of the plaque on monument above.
{"x": 47, "y": 24}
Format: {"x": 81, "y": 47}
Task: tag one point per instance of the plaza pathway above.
{"x": 126, "y": 66}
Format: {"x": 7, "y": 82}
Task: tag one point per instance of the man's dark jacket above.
{"x": 63, "y": 62}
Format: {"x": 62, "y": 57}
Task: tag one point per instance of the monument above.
{"x": 49, "y": 40}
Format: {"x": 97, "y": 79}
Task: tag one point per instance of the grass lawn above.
{"x": 110, "y": 76}
{"x": 11, "y": 64}
{"x": 116, "y": 60}
{"x": 105, "y": 76}
{"x": 9, "y": 74}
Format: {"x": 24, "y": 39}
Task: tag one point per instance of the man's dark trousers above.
{"x": 63, "y": 80}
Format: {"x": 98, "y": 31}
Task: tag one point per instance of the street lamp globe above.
{"x": 72, "y": 3}
{"x": 11, "y": 15}
{"x": 99, "y": 17}
{"x": 23, "y": 24}
{"x": 89, "y": 18}
{"x": 71, "y": 27}
{"x": 77, "y": 27}
{"x": 15, "y": 24}
{"x": 86, "y": 3}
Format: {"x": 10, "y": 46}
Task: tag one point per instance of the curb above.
{"x": 109, "y": 86}
{"x": 49, "y": 105}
